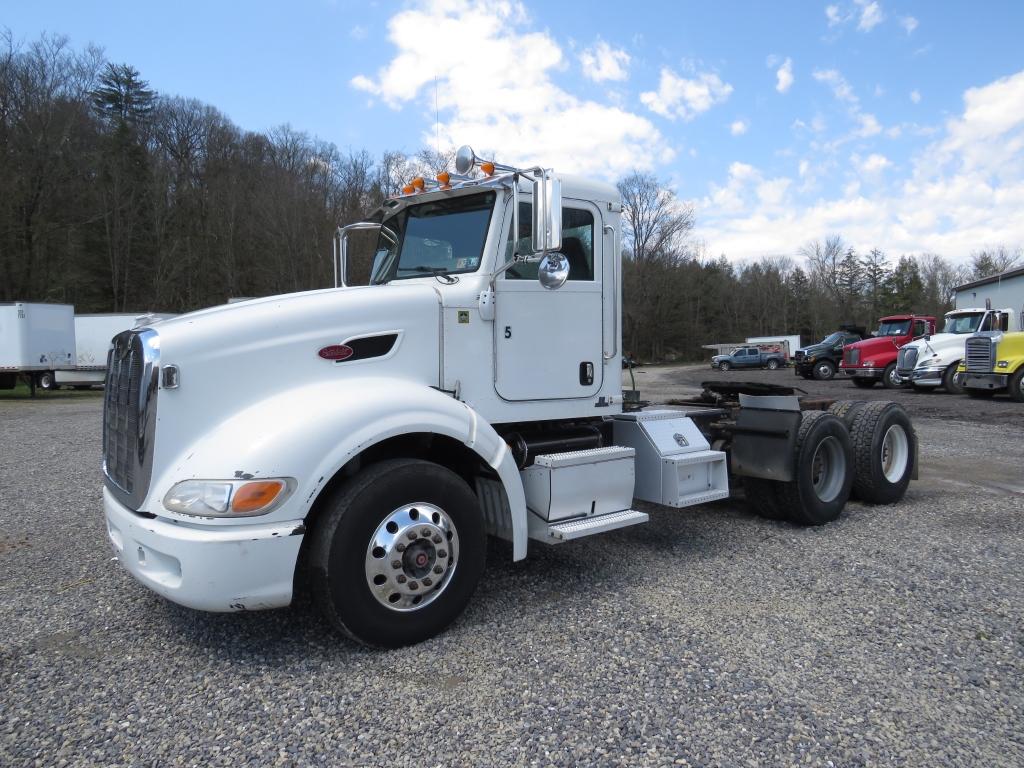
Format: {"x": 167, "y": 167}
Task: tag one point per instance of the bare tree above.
{"x": 654, "y": 223}
{"x": 994, "y": 260}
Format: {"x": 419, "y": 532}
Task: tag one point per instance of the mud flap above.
{"x": 765, "y": 438}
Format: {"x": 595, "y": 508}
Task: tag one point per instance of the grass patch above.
{"x": 22, "y": 392}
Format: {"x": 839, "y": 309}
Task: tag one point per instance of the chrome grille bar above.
{"x": 979, "y": 354}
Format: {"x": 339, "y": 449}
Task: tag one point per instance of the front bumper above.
{"x": 984, "y": 380}
{"x": 210, "y": 568}
{"x": 864, "y": 373}
{"x": 922, "y": 377}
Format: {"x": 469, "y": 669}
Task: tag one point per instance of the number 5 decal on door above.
{"x": 508, "y": 331}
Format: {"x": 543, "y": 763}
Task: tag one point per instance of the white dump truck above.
{"x": 361, "y": 442}
{"x": 932, "y": 361}
{"x": 36, "y": 341}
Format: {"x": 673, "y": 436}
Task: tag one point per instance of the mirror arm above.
{"x": 342, "y": 233}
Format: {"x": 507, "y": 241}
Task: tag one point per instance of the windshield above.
{"x": 894, "y": 328}
{"x": 442, "y": 237}
{"x": 832, "y": 338}
{"x": 963, "y": 323}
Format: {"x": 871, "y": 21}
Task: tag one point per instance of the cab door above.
{"x": 548, "y": 343}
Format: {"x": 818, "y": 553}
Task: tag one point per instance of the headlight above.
{"x": 228, "y": 498}
{"x": 1003, "y": 364}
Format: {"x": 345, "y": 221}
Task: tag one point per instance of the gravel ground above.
{"x": 708, "y": 637}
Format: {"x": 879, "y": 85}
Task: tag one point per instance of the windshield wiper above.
{"x": 435, "y": 271}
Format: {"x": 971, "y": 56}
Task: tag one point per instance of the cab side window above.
{"x": 577, "y": 244}
{"x": 919, "y": 328}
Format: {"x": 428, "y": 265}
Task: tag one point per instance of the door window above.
{"x": 577, "y": 244}
{"x": 919, "y": 328}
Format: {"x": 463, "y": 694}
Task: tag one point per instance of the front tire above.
{"x": 884, "y": 448}
{"x": 824, "y": 371}
{"x": 949, "y": 380}
{"x": 891, "y": 379}
{"x": 773, "y": 365}
{"x": 398, "y": 552}
{"x": 724, "y": 366}
{"x": 1015, "y": 388}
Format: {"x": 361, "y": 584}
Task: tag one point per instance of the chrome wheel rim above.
{"x": 824, "y": 371}
{"x": 412, "y": 557}
{"x": 894, "y": 378}
{"x": 895, "y": 453}
{"x": 828, "y": 469}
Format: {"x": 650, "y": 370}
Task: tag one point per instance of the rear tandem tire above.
{"x": 823, "y": 469}
{"x": 885, "y": 448}
{"x": 847, "y": 410}
{"x": 763, "y": 498}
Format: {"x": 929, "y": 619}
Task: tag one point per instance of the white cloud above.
{"x": 833, "y": 15}
{"x": 738, "y": 127}
{"x": 869, "y": 126}
{"x": 602, "y": 62}
{"x": 358, "y": 32}
{"x": 873, "y": 163}
{"x": 915, "y": 96}
{"x": 870, "y": 15}
{"x": 909, "y": 23}
{"x": 840, "y": 88}
{"x": 962, "y": 190}
{"x": 495, "y": 90}
{"x": 683, "y": 97}
{"x": 784, "y": 76}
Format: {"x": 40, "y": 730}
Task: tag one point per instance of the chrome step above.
{"x": 567, "y": 530}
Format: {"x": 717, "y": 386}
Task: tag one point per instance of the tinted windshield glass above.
{"x": 963, "y": 323}
{"x": 832, "y": 338}
{"x": 894, "y": 328}
{"x": 442, "y": 237}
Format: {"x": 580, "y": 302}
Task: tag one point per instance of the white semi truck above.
{"x": 36, "y": 341}
{"x": 932, "y": 361}
{"x": 473, "y": 388}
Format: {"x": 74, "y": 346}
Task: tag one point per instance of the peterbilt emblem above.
{"x": 336, "y": 352}
{"x": 681, "y": 441}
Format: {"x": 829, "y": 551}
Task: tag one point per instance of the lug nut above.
{"x": 400, "y": 578}
{"x": 412, "y": 534}
{"x": 413, "y": 585}
{"x": 396, "y": 563}
{"x": 400, "y": 547}
{"x": 427, "y": 582}
{"x": 425, "y": 533}
{"x": 442, "y": 553}
{"x": 438, "y": 569}
{"x": 436, "y": 539}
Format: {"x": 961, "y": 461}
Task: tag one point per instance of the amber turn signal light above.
{"x": 255, "y": 496}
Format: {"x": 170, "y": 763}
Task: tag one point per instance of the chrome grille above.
{"x": 852, "y": 356}
{"x": 129, "y": 404}
{"x": 906, "y": 359}
{"x": 980, "y": 357}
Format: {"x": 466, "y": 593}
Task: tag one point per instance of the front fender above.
{"x": 310, "y": 432}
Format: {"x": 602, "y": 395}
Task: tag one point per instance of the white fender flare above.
{"x": 310, "y": 432}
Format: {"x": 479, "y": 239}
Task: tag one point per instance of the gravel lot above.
{"x": 709, "y": 637}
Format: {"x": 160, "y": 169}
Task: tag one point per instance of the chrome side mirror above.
{"x": 553, "y": 270}
{"x": 547, "y": 214}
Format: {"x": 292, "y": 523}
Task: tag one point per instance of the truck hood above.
{"x": 815, "y": 349}
{"x": 235, "y": 356}
{"x": 885, "y": 345}
{"x": 948, "y": 346}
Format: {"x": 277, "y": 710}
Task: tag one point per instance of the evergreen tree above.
{"x": 875, "y": 270}
{"x": 906, "y": 288}
{"x": 122, "y": 95}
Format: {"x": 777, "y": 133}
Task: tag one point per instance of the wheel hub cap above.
{"x": 895, "y": 453}
{"x": 828, "y": 469}
{"x": 411, "y": 557}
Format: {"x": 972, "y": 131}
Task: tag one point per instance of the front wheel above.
{"x": 724, "y": 366}
{"x": 824, "y": 371}
{"x": 950, "y": 381}
{"x": 1016, "y": 386}
{"x": 773, "y": 365}
{"x": 891, "y": 379}
{"x": 397, "y": 554}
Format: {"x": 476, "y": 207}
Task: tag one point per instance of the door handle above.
{"x": 586, "y": 374}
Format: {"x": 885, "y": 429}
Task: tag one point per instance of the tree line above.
{"x": 116, "y": 198}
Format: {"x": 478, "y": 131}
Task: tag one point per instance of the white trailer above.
{"x": 36, "y": 341}
{"x": 473, "y": 388}
{"x": 93, "y": 336}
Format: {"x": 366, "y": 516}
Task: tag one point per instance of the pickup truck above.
{"x": 748, "y": 357}
{"x": 820, "y": 361}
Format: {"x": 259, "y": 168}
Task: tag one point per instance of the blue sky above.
{"x": 897, "y": 125}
